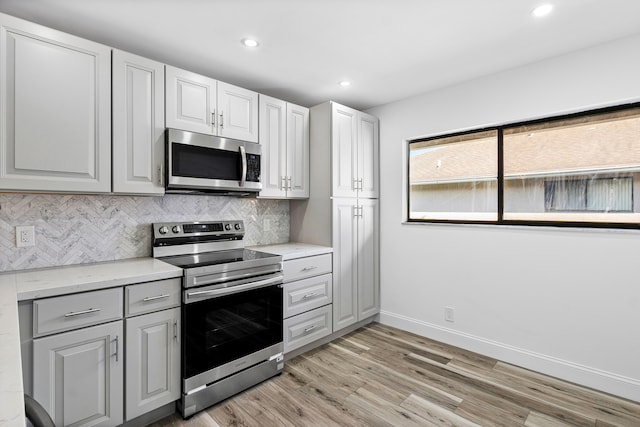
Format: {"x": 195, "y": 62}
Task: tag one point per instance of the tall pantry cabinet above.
{"x": 342, "y": 210}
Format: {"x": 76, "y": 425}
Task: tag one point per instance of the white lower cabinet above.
{"x": 308, "y": 293}
{"x": 91, "y": 368}
{"x": 307, "y": 327}
{"x": 152, "y": 361}
{"x": 78, "y": 375}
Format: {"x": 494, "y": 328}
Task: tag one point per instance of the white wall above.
{"x": 562, "y": 301}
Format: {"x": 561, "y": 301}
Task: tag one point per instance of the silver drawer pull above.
{"x": 313, "y": 267}
{"x": 146, "y": 299}
{"x": 78, "y": 313}
{"x": 309, "y": 329}
{"x": 312, "y": 294}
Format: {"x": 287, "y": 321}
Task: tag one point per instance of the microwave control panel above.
{"x": 253, "y": 167}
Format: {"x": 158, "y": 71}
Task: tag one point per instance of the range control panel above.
{"x": 187, "y": 229}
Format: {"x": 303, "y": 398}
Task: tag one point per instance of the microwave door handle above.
{"x": 243, "y": 156}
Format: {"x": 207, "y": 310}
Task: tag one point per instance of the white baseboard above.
{"x": 607, "y": 382}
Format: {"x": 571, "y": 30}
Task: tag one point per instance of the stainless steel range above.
{"x": 231, "y": 309}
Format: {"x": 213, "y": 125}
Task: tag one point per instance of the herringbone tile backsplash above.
{"x": 75, "y": 229}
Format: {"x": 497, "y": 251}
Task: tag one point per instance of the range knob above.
{"x": 227, "y": 227}
{"x": 163, "y": 230}
{"x": 237, "y": 226}
{"x": 175, "y": 229}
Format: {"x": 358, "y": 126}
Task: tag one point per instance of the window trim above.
{"x": 500, "y": 187}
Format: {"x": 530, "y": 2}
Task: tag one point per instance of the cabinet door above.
{"x": 344, "y": 151}
{"x": 345, "y": 252}
{"x": 138, "y": 124}
{"x": 55, "y": 104}
{"x": 297, "y": 151}
{"x": 237, "y": 112}
{"x": 274, "y": 147}
{"x": 190, "y": 101}
{"x": 368, "y": 156}
{"x": 153, "y": 361}
{"x": 368, "y": 264}
{"x": 78, "y": 375}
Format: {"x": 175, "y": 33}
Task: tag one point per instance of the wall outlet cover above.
{"x": 25, "y": 236}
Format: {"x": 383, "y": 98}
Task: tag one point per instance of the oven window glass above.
{"x": 222, "y": 329}
{"x": 193, "y": 161}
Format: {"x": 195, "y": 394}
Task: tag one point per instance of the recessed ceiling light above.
{"x": 542, "y": 10}
{"x": 345, "y": 83}
{"x": 250, "y": 42}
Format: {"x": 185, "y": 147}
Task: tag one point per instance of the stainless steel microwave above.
{"x": 198, "y": 163}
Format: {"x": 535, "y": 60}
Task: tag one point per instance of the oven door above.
{"x": 228, "y": 328}
{"x": 205, "y": 162}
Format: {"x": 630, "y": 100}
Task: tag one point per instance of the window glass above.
{"x": 584, "y": 169}
{"x": 454, "y": 178}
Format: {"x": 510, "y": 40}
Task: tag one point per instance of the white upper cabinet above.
{"x": 201, "y": 104}
{"x": 284, "y": 136}
{"x": 368, "y": 161}
{"x": 55, "y": 103}
{"x": 344, "y": 153}
{"x": 354, "y": 153}
{"x": 190, "y": 101}
{"x": 237, "y": 112}
{"x": 297, "y": 151}
{"x": 138, "y": 124}
{"x": 273, "y": 138}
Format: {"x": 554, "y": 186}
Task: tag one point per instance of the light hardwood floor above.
{"x": 382, "y": 376}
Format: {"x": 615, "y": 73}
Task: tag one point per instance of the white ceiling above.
{"x": 388, "y": 49}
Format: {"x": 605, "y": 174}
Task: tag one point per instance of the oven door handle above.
{"x": 234, "y": 289}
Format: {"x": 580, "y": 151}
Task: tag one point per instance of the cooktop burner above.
{"x": 215, "y": 258}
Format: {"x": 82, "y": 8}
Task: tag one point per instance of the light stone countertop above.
{"x": 46, "y": 282}
{"x": 293, "y": 250}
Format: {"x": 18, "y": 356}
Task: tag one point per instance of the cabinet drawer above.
{"x": 307, "y": 327}
{"x": 152, "y": 296}
{"x": 67, "y": 312}
{"x": 296, "y": 269}
{"x": 307, "y": 294}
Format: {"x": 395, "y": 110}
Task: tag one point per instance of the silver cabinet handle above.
{"x": 221, "y": 119}
{"x": 160, "y": 177}
{"x": 283, "y": 182}
{"x": 78, "y": 313}
{"x": 213, "y": 119}
{"x": 355, "y": 184}
{"x": 117, "y": 348}
{"x": 147, "y": 299}
{"x": 360, "y": 184}
{"x": 175, "y": 330}
{"x": 313, "y": 267}
{"x": 309, "y": 295}
{"x": 289, "y": 183}
{"x": 309, "y": 329}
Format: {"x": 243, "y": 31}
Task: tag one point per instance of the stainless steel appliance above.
{"x": 204, "y": 163}
{"x": 231, "y": 309}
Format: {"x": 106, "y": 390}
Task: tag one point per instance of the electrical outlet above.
{"x": 25, "y": 236}
{"x": 449, "y": 314}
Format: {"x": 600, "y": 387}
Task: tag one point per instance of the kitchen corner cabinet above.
{"x": 55, "y": 103}
{"x": 354, "y": 148}
{"x": 78, "y": 357}
{"x": 356, "y": 284}
{"x": 138, "y": 124}
{"x": 82, "y": 347}
{"x": 201, "y": 104}
{"x": 284, "y": 136}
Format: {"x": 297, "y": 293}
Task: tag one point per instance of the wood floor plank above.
{"x": 436, "y": 414}
{"x": 382, "y": 376}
